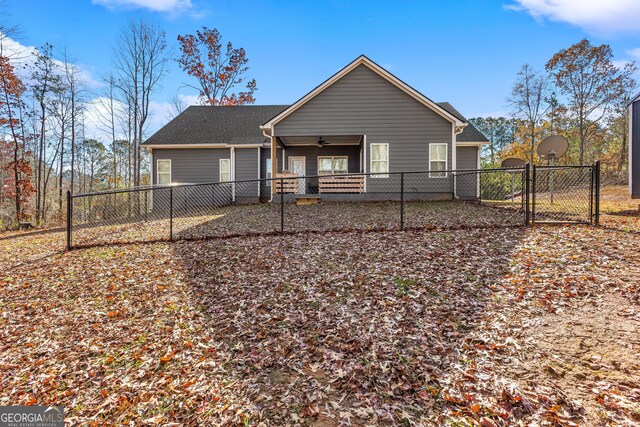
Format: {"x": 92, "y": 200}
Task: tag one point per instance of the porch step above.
{"x": 307, "y": 200}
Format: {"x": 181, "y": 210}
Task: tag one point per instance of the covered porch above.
{"x": 315, "y": 165}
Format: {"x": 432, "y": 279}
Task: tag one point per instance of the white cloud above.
{"x": 594, "y": 16}
{"x": 165, "y": 6}
{"x": 635, "y": 53}
{"x": 161, "y": 112}
{"x": 97, "y": 116}
{"x": 22, "y": 57}
{"x": 96, "y": 109}
{"x": 97, "y": 119}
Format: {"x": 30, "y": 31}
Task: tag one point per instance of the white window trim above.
{"x": 220, "y": 170}
{"x": 332, "y": 159}
{"x": 383, "y": 174}
{"x": 268, "y": 173}
{"x": 158, "y": 171}
{"x": 446, "y": 160}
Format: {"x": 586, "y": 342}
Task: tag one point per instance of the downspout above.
{"x": 233, "y": 173}
{"x": 266, "y": 132}
{"x": 454, "y": 153}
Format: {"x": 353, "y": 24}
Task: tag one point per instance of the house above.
{"x": 634, "y": 147}
{"x": 362, "y": 119}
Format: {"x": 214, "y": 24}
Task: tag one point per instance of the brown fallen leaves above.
{"x": 382, "y": 328}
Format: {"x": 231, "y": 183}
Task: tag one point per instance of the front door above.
{"x": 297, "y": 165}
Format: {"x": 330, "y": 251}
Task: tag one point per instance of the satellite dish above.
{"x": 552, "y": 147}
{"x": 512, "y": 162}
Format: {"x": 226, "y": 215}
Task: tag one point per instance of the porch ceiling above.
{"x": 313, "y": 140}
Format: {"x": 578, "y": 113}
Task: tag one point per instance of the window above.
{"x": 437, "y": 160}
{"x": 225, "y": 170}
{"x": 163, "y": 172}
{"x": 268, "y": 172}
{"x": 332, "y": 165}
{"x": 380, "y": 160}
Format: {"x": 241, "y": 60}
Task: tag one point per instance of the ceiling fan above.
{"x": 321, "y": 142}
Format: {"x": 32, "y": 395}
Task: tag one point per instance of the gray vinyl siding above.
{"x": 192, "y": 165}
{"x": 246, "y": 168}
{"x": 634, "y": 151}
{"x": 363, "y": 103}
{"x": 467, "y": 184}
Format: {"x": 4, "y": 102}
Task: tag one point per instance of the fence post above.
{"x": 527, "y": 178}
{"x": 533, "y": 196}
{"x": 597, "y": 190}
{"x": 281, "y": 205}
{"x": 401, "y": 201}
{"x": 171, "y": 214}
{"x": 69, "y": 219}
{"x": 453, "y": 185}
{"x": 592, "y": 193}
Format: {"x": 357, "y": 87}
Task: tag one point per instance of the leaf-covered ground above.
{"x": 264, "y": 219}
{"x": 490, "y": 327}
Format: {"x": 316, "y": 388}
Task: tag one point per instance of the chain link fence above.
{"x": 362, "y": 202}
{"x": 564, "y": 194}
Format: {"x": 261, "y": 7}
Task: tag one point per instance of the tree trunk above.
{"x": 61, "y": 171}
{"x": 582, "y": 138}
{"x": 73, "y": 137}
{"x": 16, "y": 177}
{"x": 39, "y": 198}
{"x": 623, "y": 148}
{"x": 533, "y": 142}
{"x": 492, "y": 146}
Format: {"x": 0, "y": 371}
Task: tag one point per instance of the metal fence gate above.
{"x": 565, "y": 194}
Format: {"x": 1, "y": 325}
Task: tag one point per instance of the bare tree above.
{"x": 140, "y": 63}
{"x": 177, "y": 107}
{"x": 60, "y": 113}
{"x": 109, "y": 111}
{"x": 74, "y": 87}
{"x": 528, "y": 100}
{"x": 45, "y": 81}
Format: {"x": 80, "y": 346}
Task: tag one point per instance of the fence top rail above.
{"x": 565, "y": 167}
{"x": 288, "y": 178}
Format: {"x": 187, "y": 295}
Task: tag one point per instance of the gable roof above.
{"x": 240, "y": 125}
{"x": 215, "y": 125}
{"x": 363, "y": 60}
{"x": 470, "y": 133}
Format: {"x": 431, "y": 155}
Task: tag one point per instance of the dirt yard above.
{"x": 487, "y": 326}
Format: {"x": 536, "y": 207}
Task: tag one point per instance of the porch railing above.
{"x": 287, "y": 184}
{"x": 346, "y": 184}
{"x": 341, "y": 184}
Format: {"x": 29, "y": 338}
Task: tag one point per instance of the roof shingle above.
{"x": 205, "y": 124}
{"x": 240, "y": 125}
{"x": 470, "y": 133}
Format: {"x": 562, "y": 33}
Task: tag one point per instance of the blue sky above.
{"x": 466, "y": 51}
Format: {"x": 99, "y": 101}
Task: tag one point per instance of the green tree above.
{"x": 591, "y": 82}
